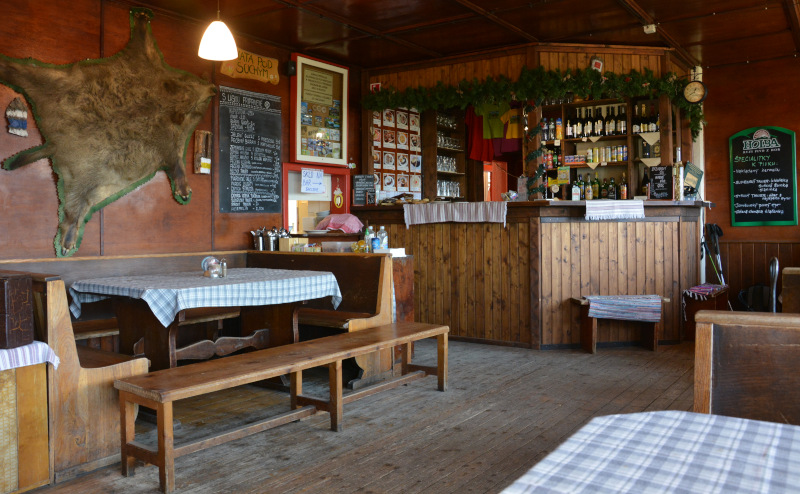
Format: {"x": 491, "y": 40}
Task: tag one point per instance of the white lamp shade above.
{"x": 218, "y": 43}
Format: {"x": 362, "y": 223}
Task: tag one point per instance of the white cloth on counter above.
{"x": 34, "y": 353}
{"x": 614, "y": 210}
{"x": 460, "y": 212}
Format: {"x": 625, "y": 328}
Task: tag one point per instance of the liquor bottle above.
{"x": 568, "y": 129}
{"x": 623, "y": 188}
{"x": 604, "y": 189}
{"x": 599, "y": 123}
{"x": 596, "y": 187}
{"x": 655, "y": 149}
{"x": 645, "y": 185}
{"x": 645, "y": 149}
{"x": 582, "y": 185}
{"x": 587, "y": 187}
{"x": 578, "y": 132}
{"x": 610, "y": 122}
{"x": 551, "y": 129}
{"x": 635, "y": 123}
{"x": 612, "y": 190}
{"x": 622, "y": 121}
{"x": 644, "y": 126}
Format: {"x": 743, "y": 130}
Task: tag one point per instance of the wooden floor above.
{"x": 504, "y": 410}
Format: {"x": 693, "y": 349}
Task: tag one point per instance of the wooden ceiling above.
{"x": 376, "y": 33}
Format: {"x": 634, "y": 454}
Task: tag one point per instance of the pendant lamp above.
{"x": 217, "y": 43}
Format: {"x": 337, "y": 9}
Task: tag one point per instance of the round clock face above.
{"x": 695, "y": 92}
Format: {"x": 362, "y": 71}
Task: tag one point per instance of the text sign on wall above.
{"x": 763, "y": 177}
{"x": 311, "y": 181}
{"x": 249, "y": 152}
{"x": 362, "y": 184}
{"x": 661, "y": 182}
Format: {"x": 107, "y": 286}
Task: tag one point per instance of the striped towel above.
{"x": 460, "y": 212}
{"x": 614, "y": 210}
{"x": 35, "y": 353}
{"x": 627, "y": 307}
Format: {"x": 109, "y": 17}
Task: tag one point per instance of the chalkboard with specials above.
{"x": 362, "y": 184}
{"x": 249, "y": 152}
{"x": 661, "y": 182}
{"x": 763, "y": 177}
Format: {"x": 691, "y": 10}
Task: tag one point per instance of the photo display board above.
{"x": 249, "y": 152}
{"x": 763, "y": 177}
{"x": 397, "y": 151}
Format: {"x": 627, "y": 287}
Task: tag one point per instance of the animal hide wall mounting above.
{"x": 109, "y": 124}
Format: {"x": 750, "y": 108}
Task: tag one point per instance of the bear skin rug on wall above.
{"x": 109, "y": 124}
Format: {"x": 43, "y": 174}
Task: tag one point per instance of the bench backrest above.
{"x": 360, "y": 276}
{"x": 790, "y": 290}
{"x": 747, "y": 365}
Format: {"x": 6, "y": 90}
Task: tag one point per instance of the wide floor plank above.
{"x": 505, "y": 409}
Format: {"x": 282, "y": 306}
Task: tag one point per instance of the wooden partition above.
{"x": 512, "y": 285}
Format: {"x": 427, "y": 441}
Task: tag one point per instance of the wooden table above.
{"x": 670, "y": 451}
{"x": 151, "y": 308}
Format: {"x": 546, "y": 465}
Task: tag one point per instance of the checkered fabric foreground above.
{"x": 670, "y": 452}
{"x": 168, "y": 294}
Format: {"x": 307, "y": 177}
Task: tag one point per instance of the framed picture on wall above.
{"x": 319, "y": 112}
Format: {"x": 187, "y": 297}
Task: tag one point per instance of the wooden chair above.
{"x": 747, "y": 365}
{"x": 83, "y": 404}
{"x": 790, "y": 290}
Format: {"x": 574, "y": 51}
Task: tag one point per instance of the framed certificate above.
{"x": 319, "y": 112}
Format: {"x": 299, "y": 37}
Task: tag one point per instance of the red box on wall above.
{"x": 16, "y": 310}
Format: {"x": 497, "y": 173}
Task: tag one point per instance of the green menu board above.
{"x": 763, "y": 177}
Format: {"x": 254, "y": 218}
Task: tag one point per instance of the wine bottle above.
{"x": 623, "y": 188}
{"x": 588, "y": 124}
{"x": 635, "y": 123}
{"x": 644, "y": 125}
{"x": 612, "y": 190}
{"x": 604, "y": 189}
{"x": 653, "y": 120}
{"x": 599, "y": 124}
{"x": 610, "y": 122}
{"x": 579, "y": 125}
{"x": 645, "y": 185}
{"x": 568, "y": 128}
{"x": 596, "y": 187}
{"x": 622, "y": 121}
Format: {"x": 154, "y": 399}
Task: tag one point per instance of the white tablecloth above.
{"x": 460, "y": 212}
{"x": 37, "y": 352}
{"x": 168, "y": 294}
{"x": 670, "y": 452}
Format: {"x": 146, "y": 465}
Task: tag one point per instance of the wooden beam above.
{"x": 493, "y": 18}
{"x": 793, "y": 16}
{"x": 639, "y": 13}
{"x": 357, "y": 26}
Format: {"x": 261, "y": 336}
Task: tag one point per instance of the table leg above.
{"x": 127, "y": 431}
{"x": 442, "y": 361}
{"x": 280, "y": 319}
{"x": 166, "y": 456}
{"x": 135, "y": 320}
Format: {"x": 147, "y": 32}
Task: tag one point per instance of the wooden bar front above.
{"x": 513, "y": 285}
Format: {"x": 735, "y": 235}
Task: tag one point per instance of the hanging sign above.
{"x": 312, "y": 181}
{"x": 252, "y": 66}
{"x": 763, "y": 177}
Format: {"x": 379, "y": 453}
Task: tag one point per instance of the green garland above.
{"x": 537, "y": 84}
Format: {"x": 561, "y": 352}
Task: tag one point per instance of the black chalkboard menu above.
{"x": 763, "y": 177}
{"x": 249, "y": 152}
{"x": 361, "y": 185}
{"x": 661, "y": 182}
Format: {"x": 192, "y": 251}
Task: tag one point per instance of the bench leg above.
{"x": 650, "y": 332}
{"x": 335, "y": 403}
{"x": 441, "y": 360}
{"x": 588, "y": 331}
{"x": 127, "y": 429}
{"x": 166, "y": 454}
{"x": 295, "y": 388}
{"x": 405, "y": 358}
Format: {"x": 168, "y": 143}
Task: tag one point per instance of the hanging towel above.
{"x": 614, "y": 210}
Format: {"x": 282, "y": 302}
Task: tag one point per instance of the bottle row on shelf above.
{"x": 600, "y": 121}
{"x": 586, "y": 189}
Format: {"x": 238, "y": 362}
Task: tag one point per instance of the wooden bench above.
{"x": 365, "y": 281}
{"x": 649, "y": 332}
{"x": 790, "y": 290}
{"x": 158, "y": 390}
{"x": 746, "y": 365}
{"x": 82, "y": 402}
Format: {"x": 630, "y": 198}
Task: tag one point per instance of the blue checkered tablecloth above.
{"x": 168, "y": 294}
{"x": 670, "y": 452}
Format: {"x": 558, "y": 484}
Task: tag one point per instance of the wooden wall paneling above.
{"x": 488, "y": 281}
{"x": 530, "y": 320}
{"x": 546, "y": 263}
{"x": 505, "y": 331}
{"x": 471, "y": 282}
{"x": 458, "y": 302}
{"x": 667, "y": 287}
{"x": 622, "y": 270}
{"x": 446, "y": 268}
{"x": 480, "y": 282}
{"x": 575, "y": 285}
{"x": 556, "y": 261}
{"x": 565, "y": 306}
{"x": 9, "y": 459}
{"x": 603, "y": 332}
{"x": 613, "y": 269}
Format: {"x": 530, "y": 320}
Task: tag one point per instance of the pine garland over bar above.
{"x": 538, "y": 84}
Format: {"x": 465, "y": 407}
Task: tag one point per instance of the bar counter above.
{"x": 512, "y": 285}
